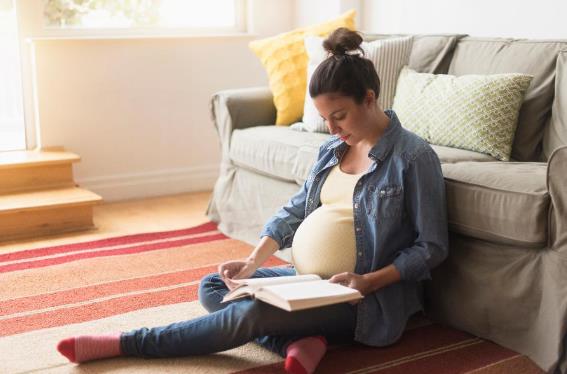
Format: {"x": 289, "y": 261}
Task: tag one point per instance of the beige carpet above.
{"x": 146, "y": 280}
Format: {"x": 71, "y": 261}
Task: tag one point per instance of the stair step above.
{"x": 38, "y": 223}
{"x": 46, "y": 199}
{"x": 39, "y": 213}
{"x": 38, "y": 195}
{"x": 36, "y": 170}
{"x": 22, "y": 159}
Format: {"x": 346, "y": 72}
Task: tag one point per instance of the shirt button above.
{"x": 355, "y": 205}
{"x": 358, "y": 229}
{"x": 360, "y": 253}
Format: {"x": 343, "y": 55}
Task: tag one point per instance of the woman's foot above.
{"x": 84, "y": 348}
{"x": 304, "y": 355}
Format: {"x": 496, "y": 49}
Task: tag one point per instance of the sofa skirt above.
{"x": 516, "y": 297}
{"x": 243, "y": 201}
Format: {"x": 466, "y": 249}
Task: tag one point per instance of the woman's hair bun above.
{"x": 343, "y": 40}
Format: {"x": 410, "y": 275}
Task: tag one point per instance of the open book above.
{"x": 293, "y": 292}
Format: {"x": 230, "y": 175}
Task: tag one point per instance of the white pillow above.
{"x": 388, "y": 57}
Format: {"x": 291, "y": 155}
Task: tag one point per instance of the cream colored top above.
{"x": 324, "y": 242}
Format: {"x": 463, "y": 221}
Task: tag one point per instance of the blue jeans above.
{"x": 229, "y": 325}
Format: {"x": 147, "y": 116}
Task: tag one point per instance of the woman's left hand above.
{"x": 353, "y": 280}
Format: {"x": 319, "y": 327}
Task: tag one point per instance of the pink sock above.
{"x": 304, "y": 355}
{"x": 84, "y": 348}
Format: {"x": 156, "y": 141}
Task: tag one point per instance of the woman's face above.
{"x": 345, "y": 118}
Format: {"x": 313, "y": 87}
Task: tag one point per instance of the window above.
{"x": 12, "y": 128}
{"x": 189, "y": 15}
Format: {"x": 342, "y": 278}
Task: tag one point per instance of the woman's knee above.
{"x": 209, "y": 287}
{"x": 208, "y": 282}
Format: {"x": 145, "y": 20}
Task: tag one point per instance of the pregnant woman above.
{"x": 371, "y": 215}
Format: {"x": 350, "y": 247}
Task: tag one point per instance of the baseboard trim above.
{"x": 150, "y": 184}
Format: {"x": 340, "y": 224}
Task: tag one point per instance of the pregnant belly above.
{"x": 324, "y": 243}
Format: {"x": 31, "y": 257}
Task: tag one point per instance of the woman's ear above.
{"x": 370, "y": 98}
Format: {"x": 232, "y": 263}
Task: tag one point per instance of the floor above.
{"x": 129, "y": 217}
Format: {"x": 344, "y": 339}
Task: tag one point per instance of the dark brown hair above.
{"x": 346, "y": 71}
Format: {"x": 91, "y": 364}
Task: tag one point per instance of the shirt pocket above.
{"x": 385, "y": 200}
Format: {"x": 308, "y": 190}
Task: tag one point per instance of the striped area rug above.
{"x": 151, "y": 279}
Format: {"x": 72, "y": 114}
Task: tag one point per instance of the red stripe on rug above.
{"x": 429, "y": 349}
{"x": 454, "y": 361}
{"x": 127, "y": 239}
{"x": 97, "y": 310}
{"x": 355, "y": 357}
{"x": 110, "y": 252}
{"x": 82, "y": 294}
{"x": 516, "y": 364}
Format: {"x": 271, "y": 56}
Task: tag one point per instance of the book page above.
{"x": 296, "y": 296}
{"x": 247, "y": 287}
{"x": 237, "y": 293}
{"x": 314, "y": 289}
{"x": 257, "y": 282}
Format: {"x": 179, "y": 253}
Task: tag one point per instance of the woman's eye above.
{"x": 334, "y": 118}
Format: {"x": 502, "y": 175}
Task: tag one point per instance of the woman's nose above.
{"x": 332, "y": 127}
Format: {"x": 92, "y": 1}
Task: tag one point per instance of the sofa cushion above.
{"x": 474, "y": 112}
{"x": 307, "y": 155}
{"x": 429, "y": 53}
{"x": 501, "y": 202}
{"x": 272, "y": 150}
{"x": 285, "y": 61}
{"x": 537, "y": 58}
{"x": 452, "y": 155}
{"x": 389, "y": 56}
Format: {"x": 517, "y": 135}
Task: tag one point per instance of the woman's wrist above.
{"x": 262, "y": 252}
{"x": 252, "y": 260}
{"x": 381, "y": 278}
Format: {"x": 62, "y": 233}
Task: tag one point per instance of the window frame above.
{"x": 241, "y": 27}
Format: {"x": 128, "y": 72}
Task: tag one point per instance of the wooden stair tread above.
{"x": 31, "y": 200}
{"x": 16, "y": 159}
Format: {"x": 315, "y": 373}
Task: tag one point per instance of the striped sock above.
{"x": 304, "y": 355}
{"x": 84, "y": 348}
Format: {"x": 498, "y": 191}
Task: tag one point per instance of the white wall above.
{"x": 310, "y": 12}
{"x": 499, "y": 18}
{"x": 137, "y": 109}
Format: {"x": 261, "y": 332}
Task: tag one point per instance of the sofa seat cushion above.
{"x": 307, "y": 155}
{"x": 452, "y": 155}
{"x": 282, "y": 153}
{"x": 503, "y": 202}
{"x": 273, "y": 150}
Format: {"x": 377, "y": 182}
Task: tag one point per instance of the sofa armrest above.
{"x": 557, "y": 187}
{"x": 239, "y": 109}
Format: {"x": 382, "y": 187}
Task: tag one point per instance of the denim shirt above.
{"x": 400, "y": 218}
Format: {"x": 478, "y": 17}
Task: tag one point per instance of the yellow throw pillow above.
{"x": 285, "y": 60}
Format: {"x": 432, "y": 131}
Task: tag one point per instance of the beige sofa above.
{"x": 506, "y": 275}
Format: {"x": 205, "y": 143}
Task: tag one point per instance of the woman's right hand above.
{"x": 235, "y": 270}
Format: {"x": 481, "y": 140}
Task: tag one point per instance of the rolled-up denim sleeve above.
{"x": 427, "y": 208}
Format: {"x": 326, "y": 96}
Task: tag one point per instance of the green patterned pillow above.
{"x": 474, "y": 112}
